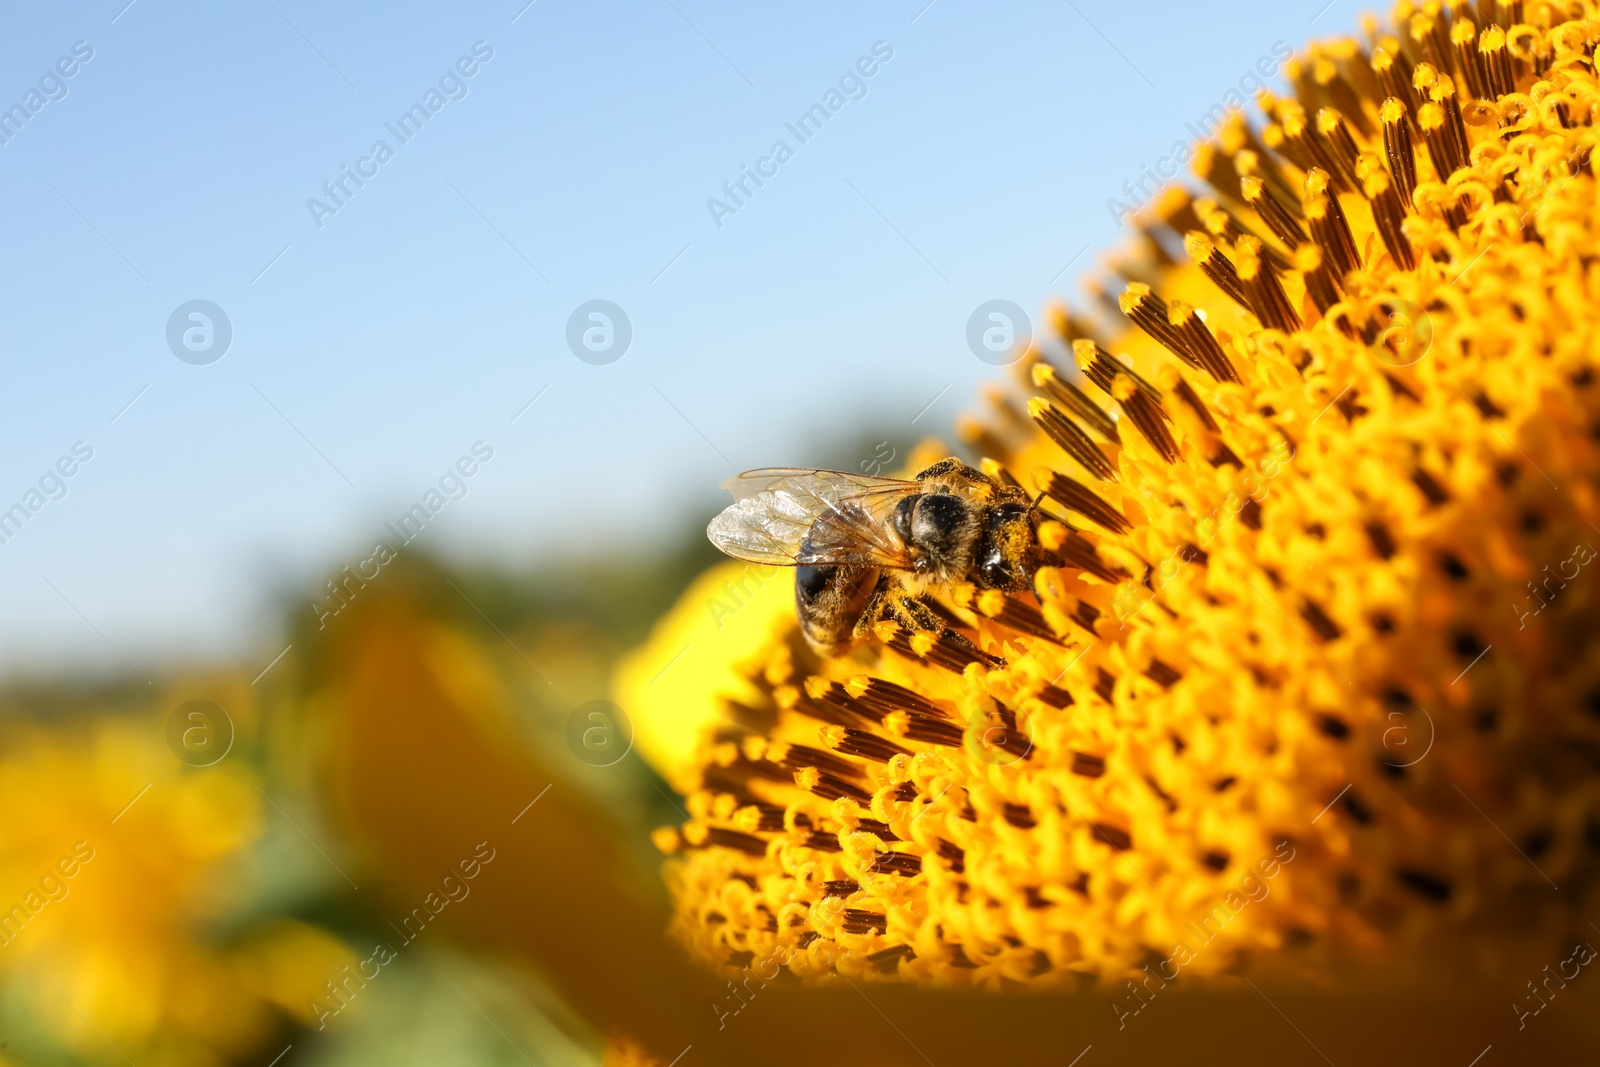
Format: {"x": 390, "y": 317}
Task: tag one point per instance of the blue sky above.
{"x": 373, "y": 345}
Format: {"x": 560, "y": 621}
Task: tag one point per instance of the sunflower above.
{"x": 121, "y": 867}
{"x": 1310, "y": 681}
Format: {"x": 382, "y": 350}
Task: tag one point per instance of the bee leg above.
{"x": 919, "y": 616}
{"x": 877, "y": 610}
{"x": 915, "y": 615}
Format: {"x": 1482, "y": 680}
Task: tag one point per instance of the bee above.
{"x": 866, "y": 549}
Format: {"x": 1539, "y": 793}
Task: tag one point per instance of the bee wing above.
{"x": 810, "y": 483}
{"x": 796, "y": 517}
{"x": 766, "y": 528}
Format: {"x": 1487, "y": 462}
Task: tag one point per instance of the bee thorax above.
{"x": 942, "y": 530}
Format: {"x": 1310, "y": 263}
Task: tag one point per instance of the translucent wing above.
{"x": 767, "y": 528}
{"x": 793, "y": 516}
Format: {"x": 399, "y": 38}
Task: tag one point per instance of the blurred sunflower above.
{"x": 120, "y": 867}
{"x": 1311, "y": 678}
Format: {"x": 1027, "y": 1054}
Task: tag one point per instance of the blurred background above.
{"x": 465, "y": 309}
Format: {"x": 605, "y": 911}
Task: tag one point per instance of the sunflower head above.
{"x": 1307, "y": 676}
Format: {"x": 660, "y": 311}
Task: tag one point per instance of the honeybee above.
{"x": 867, "y": 549}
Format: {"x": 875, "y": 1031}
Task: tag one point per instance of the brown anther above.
{"x": 1341, "y": 147}
{"x": 1496, "y": 62}
{"x": 1203, "y": 250}
{"x": 1397, "y": 147}
{"x": 1394, "y": 73}
{"x": 1017, "y": 614}
{"x": 1313, "y": 267}
{"x": 1388, "y": 212}
{"x": 1329, "y": 228}
{"x": 1140, "y": 400}
{"x": 1213, "y": 360}
{"x": 1284, "y": 226}
{"x": 1435, "y": 134}
{"x": 1055, "y": 385}
{"x": 1179, "y": 330}
{"x": 1444, "y": 94}
{"x": 1308, "y": 149}
{"x": 1428, "y": 32}
{"x": 1066, "y": 433}
{"x": 1464, "y": 40}
{"x": 853, "y": 742}
{"x": 1263, "y": 289}
{"x": 1076, "y": 496}
{"x": 1149, "y": 311}
{"x": 888, "y": 696}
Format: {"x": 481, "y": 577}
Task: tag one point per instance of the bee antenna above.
{"x": 1036, "y": 502}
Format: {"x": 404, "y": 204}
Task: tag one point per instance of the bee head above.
{"x": 1006, "y": 549}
